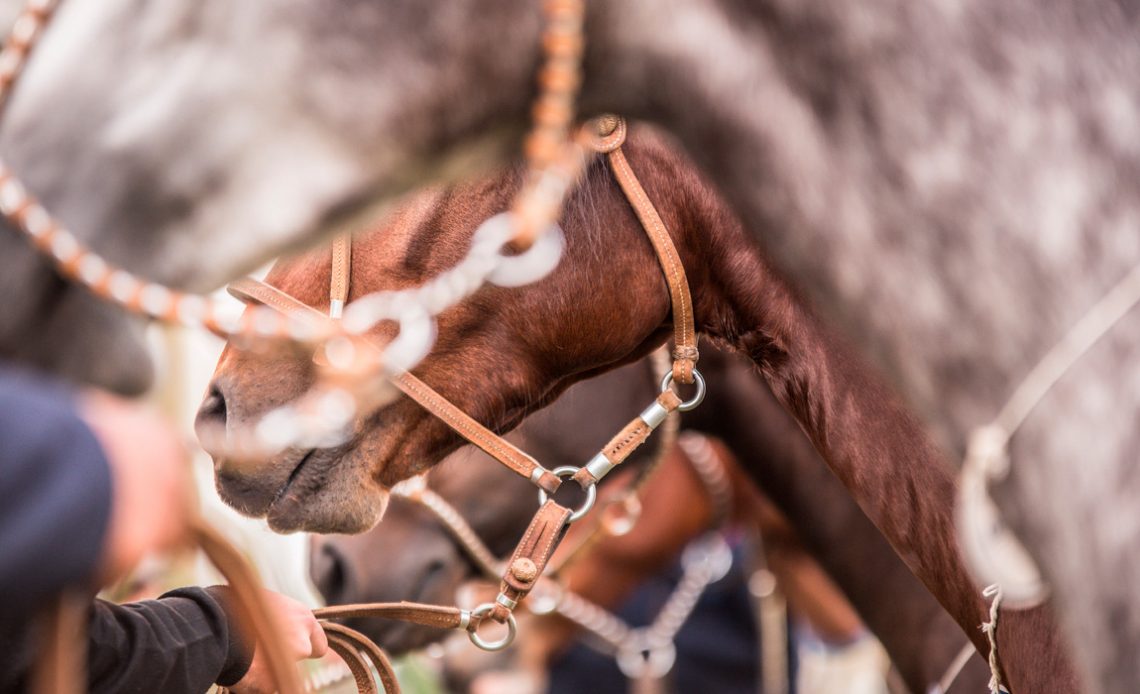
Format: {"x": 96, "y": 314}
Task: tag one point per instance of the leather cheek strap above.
{"x": 251, "y": 290}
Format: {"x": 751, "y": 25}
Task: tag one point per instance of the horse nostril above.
{"x": 213, "y": 407}
{"x": 330, "y": 574}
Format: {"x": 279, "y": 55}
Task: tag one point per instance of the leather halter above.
{"x": 550, "y": 523}
{"x": 611, "y": 133}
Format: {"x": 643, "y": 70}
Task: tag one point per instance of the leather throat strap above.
{"x": 685, "y": 353}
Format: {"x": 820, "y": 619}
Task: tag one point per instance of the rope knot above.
{"x": 986, "y": 451}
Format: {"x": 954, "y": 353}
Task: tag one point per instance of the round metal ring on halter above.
{"x": 473, "y": 629}
{"x": 591, "y": 493}
{"x": 697, "y": 398}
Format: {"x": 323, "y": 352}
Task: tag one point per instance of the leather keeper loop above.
{"x": 534, "y": 550}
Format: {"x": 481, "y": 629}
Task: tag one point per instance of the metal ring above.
{"x": 473, "y": 629}
{"x": 591, "y": 492}
{"x": 693, "y": 401}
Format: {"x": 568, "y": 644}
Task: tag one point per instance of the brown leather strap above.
{"x": 546, "y": 530}
{"x": 489, "y": 442}
{"x": 353, "y": 647}
{"x": 611, "y": 134}
{"x": 63, "y": 652}
{"x": 437, "y": 616}
{"x": 253, "y": 610}
{"x": 341, "y": 274}
{"x": 509, "y": 455}
{"x": 357, "y": 665}
{"x": 626, "y": 441}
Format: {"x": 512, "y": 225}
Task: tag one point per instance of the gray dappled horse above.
{"x": 948, "y": 179}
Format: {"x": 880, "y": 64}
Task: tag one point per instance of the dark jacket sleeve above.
{"x": 55, "y": 494}
{"x": 185, "y": 641}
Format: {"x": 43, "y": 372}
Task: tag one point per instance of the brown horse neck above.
{"x": 860, "y": 426}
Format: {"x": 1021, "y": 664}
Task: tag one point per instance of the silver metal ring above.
{"x": 693, "y": 401}
{"x": 473, "y": 629}
{"x": 591, "y": 492}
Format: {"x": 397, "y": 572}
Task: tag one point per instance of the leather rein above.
{"x": 552, "y": 520}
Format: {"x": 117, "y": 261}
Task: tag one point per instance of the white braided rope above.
{"x": 990, "y": 629}
{"x": 412, "y": 309}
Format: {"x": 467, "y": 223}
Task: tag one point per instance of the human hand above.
{"x": 302, "y": 635}
{"x": 150, "y": 496}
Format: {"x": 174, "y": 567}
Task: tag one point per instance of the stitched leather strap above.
{"x": 509, "y": 455}
{"x": 437, "y": 616}
{"x": 626, "y": 441}
{"x": 546, "y": 530}
{"x": 357, "y": 650}
{"x": 610, "y": 136}
{"x": 341, "y": 274}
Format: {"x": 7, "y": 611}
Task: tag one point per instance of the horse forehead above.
{"x": 423, "y": 230}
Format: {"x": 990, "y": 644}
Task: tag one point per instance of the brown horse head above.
{"x": 499, "y": 356}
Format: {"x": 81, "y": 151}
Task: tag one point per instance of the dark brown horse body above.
{"x": 408, "y": 554}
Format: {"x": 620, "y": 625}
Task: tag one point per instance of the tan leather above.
{"x": 357, "y": 665}
{"x": 61, "y": 666}
{"x": 357, "y": 650}
{"x": 685, "y": 354}
{"x": 341, "y": 269}
{"x": 488, "y": 441}
{"x": 509, "y": 455}
{"x": 438, "y": 616}
{"x": 635, "y": 433}
{"x": 546, "y": 530}
{"x": 626, "y": 441}
{"x": 253, "y": 610}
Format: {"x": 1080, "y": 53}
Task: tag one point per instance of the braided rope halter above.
{"x": 555, "y": 161}
{"x": 531, "y": 558}
{"x": 555, "y": 164}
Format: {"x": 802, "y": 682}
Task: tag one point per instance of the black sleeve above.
{"x": 185, "y": 641}
{"x": 55, "y": 494}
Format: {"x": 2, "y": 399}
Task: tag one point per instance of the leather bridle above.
{"x": 551, "y": 521}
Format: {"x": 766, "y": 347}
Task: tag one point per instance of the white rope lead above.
{"x": 990, "y": 628}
